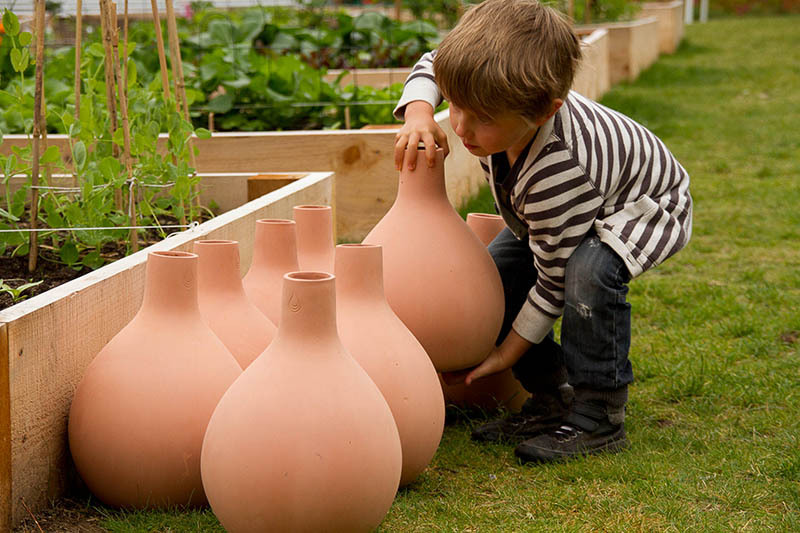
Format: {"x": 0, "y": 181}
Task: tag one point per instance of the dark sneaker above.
{"x": 585, "y": 430}
{"x": 541, "y": 412}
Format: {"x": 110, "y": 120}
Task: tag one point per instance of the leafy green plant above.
{"x": 163, "y": 186}
{"x": 448, "y": 11}
{"x": 17, "y": 293}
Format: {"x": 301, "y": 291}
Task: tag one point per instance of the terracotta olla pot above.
{"x": 440, "y": 280}
{"x": 274, "y": 254}
{"x": 244, "y": 330}
{"x": 501, "y": 389}
{"x": 315, "y": 248}
{"x": 139, "y": 415}
{"x": 485, "y": 226}
{"x": 303, "y": 440}
{"x": 390, "y": 354}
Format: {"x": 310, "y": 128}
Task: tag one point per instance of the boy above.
{"x": 590, "y": 198}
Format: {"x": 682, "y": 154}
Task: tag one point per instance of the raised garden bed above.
{"x": 633, "y": 46}
{"x": 47, "y": 342}
{"x": 670, "y": 23}
{"x": 592, "y": 79}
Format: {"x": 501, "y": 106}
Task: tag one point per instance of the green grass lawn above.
{"x": 713, "y": 415}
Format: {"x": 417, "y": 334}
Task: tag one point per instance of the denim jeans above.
{"x": 596, "y": 325}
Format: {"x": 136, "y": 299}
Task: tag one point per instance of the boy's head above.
{"x": 508, "y": 56}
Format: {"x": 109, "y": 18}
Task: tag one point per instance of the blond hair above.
{"x": 508, "y": 55}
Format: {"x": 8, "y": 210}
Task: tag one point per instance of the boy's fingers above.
{"x": 430, "y": 149}
{"x": 400, "y": 150}
{"x": 456, "y": 377}
{"x": 441, "y": 140}
{"x": 411, "y": 151}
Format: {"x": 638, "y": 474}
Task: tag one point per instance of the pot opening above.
{"x": 173, "y": 254}
{"x": 357, "y": 245}
{"x": 312, "y": 207}
{"x": 274, "y": 221}
{"x": 308, "y": 276}
{"x": 216, "y": 241}
{"x": 484, "y": 215}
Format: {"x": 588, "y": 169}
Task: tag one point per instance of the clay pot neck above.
{"x": 359, "y": 272}
{"x": 308, "y": 309}
{"x": 170, "y": 283}
{"x": 423, "y": 184}
{"x": 275, "y": 245}
{"x": 218, "y": 266}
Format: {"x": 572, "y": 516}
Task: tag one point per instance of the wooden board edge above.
{"x": 5, "y": 432}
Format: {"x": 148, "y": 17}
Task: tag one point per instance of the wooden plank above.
{"x": 5, "y": 434}
{"x": 226, "y": 190}
{"x": 363, "y": 161}
{"x": 670, "y": 23}
{"x": 633, "y": 46}
{"x": 379, "y": 78}
{"x": 261, "y": 184}
{"x": 591, "y": 78}
{"x": 54, "y": 336}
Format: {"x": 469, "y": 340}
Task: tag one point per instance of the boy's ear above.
{"x": 554, "y": 106}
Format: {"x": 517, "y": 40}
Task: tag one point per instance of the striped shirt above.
{"x": 588, "y": 169}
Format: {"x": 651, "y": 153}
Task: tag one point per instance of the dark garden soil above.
{"x": 14, "y": 273}
{"x": 52, "y": 272}
{"x": 64, "y": 516}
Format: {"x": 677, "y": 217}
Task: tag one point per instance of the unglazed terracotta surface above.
{"x": 485, "y": 226}
{"x": 497, "y": 390}
{"x": 138, "y": 418}
{"x": 390, "y": 354}
{"x": 274, "y": 254}
{"x": 439, "y": 278}
{"x": 315, "y": 247}
{"x": 244, "y": 330}
{"x": 303, "y": 440}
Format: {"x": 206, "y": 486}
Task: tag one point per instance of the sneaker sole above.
{"x": 548, "y": 455}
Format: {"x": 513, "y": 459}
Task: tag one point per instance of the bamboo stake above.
{"x": 180, "y": 88}
{"x": 106, "y": 25}
{"x": 587, "y": 12}
{"x": 162, "y": 59}
{"x": 571, "y": 10}
{"x": 174, "y": 49}
{"x": 125, "y": 51}
{"x": 78, "y": 44}
{"x": 33, "y": 251}
{"x": 122, "y": 89}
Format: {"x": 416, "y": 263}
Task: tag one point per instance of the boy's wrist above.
{"x": 418, "y": 107}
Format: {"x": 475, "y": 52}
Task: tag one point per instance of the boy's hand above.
{"x": 419, "y": 126}
{"x": 500, "y": 358}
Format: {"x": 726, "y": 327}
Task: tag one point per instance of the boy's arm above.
{"x": 560, "y": 210}
{"x": 420, "y": 85}
{"x": 420, "y": 98}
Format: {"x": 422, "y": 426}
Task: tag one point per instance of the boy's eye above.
{"x": 483, "y": 119}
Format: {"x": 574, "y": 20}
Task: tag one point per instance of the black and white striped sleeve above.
{"x": 420, "y": 85}
{"x": 560, "y": 207}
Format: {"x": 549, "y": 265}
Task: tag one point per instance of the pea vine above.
{"x": 165, "y": 181}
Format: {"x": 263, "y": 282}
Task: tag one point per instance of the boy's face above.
{"x": 484, "y": 136}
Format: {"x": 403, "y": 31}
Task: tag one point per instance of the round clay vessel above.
{"x": 303, "y": 440}
{"x": 244, "y": 330}
{"x": 439, "y": 278}
{"x": 501, "y": 389}
{"x": 485, "y": 226}
{"x": 139, "y": 414}
{"x": 274, "y": 254}
{"x": 390, "y": 354}
{"x": 315, "y": 248}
